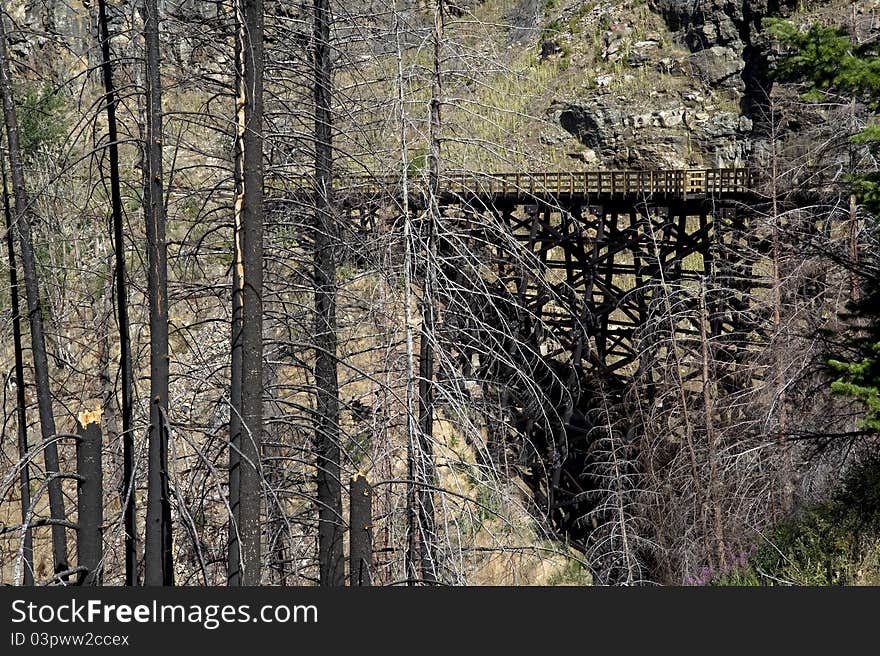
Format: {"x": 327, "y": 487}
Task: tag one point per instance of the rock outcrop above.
{"x": 719, "y": 55}
{"x": 670, "y": 137}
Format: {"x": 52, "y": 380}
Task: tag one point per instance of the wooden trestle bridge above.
{"x": 583, "y": 185}
{"x": 571, "y": 263}
{"x": 603, "y": 239}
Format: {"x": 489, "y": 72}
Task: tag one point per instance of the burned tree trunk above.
{"x": 245, "y": 470}
{"x": 157, "y": 545}
{"x": 23, "y": 218}
{"x": 424, "y": 474}
{"x": 233, "y": 552}
{"x": 360, "y": 552}
{"x": 90, "y": 489}
{"x": 330, "y": 529}
{"x": 125, "y": 370}
{"x": 21, "y": 402}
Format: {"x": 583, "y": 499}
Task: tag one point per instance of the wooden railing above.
{"x": 671, "y": 182}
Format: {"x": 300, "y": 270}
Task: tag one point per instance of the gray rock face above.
{"x": 585, "y": 123}
{"x": 724, "y": 138}
{"x": 676, "y": 12}
{"x": 670, "y": 118}
{"x": 717, "y": 31}
{"x": 705, "y": 24}
{"x": 43, "y": 31}
{"x": 616, "y": 134}
{"x": 523, "y": 16}
{"x": 719, "y": 66}
{"x": 702, "y": 24}
{"x": 729, "y": 52}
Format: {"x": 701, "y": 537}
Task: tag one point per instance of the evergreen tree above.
{"x": 831, "y": 65}
{"x": 859, "y": 374}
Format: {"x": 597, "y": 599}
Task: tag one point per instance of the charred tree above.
{"x": 23, "y": 220}
{"x": 247, "y": 372}
{"x": 424, "y": 460}
{"x": 233, "y": 553}
{"x": 360, "y": 552}
{"x": 20, "y": 407}
{"x": 125, "y": 371}
{"x": 330, "y": 529}
{"x": 157, "y": 545}
{"x": 90, "y": 489}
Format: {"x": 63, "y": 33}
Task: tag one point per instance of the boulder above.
{"x": 549, "y": 47}
{"x": 719, "y": 66}
{"x": 670, "y": 66}
{"x": 584, "y": 124}
{"x": 642, "y": 52}
{"x": 670, "y": 118}
{"x": 587, "y": 156}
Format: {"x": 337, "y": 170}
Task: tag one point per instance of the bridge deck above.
{"x": 601, "y": 240}
{"x": 620, "y": 184}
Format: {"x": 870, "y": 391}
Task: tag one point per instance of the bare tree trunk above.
{"x": 21, "y": 402}
{"x": 787, "y": 483}
{"x": 360, "y": 552}
{"x": 233, "y": 564}
{"x": 424, "y": 474}
{"x": 23, "y": 217}
{"x": 247, "y": 372}
{"x": 127, "y": 491}
{"x": 411, "y": 555}
{"x": 714, "y": 496}
{"x": 854, "y": 283}
{"x": 90, "y": 489}
{"x": 330, "y": 522}
{"x": 159, "y": 567}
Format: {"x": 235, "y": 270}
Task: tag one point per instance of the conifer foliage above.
{"x": 834, "y": 67}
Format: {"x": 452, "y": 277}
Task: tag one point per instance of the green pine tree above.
{"x": 833, "y": 67}
{"x": 859, "y": 375}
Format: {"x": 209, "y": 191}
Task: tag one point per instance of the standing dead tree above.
{"x": 422, "y": 537}
{"x": 247, "y": 424}
{"x": 21, "y": 402}
{"x": 329, "y": 499}
{"x": 127, "y": 492}
{"x": 157, "y": 545}
{"x": 360, "y": 552}
{"x": 23, "y": 220}
{"x": 90, "y": 507}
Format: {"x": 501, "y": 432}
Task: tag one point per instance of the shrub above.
{"x": 824, "y": 544}
{"x": 41, "y": 122}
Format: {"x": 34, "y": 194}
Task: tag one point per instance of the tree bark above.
{"x": 411, "y": 555}
{"x": 23, "y": 218}
{"x": 424, "y": 474}
{"x": 233, "y": 566}
{"x": 90, "y": 489}
{"x": 127, "y": 491}
{"x": 247, "y": 331}
{"x": 360, "y": 550}
{"x": 21, "y": 402}
{"x": 157, "y": 552}
{"x": 330, "y": 529}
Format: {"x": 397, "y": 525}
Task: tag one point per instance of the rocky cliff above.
{"x": 677, "y": 83}
{"x": 613, "y": 83}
